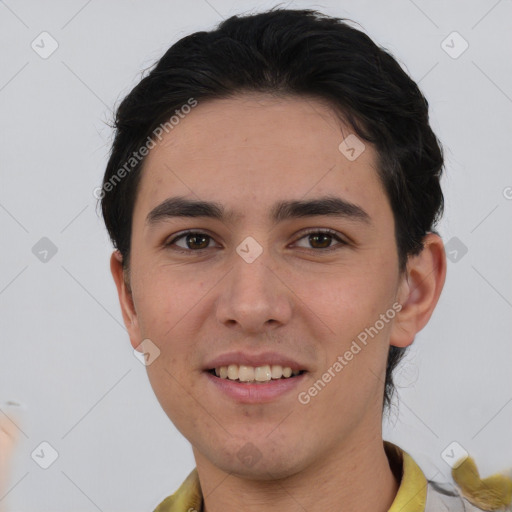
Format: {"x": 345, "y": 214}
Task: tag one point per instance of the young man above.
{"x": 271, "y": 193}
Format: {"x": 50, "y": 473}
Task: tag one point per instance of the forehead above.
{"x": 254, "y": 149}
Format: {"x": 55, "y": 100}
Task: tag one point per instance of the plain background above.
{"x": 65, "y": 354}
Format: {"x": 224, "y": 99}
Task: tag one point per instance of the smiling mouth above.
{"x": 255, "y": 375}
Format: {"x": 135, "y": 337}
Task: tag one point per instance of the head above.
{"x": 296, "y": 130}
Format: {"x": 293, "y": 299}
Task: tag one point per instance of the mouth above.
{"x": 255, "y": 374}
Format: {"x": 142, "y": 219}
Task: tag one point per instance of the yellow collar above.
{"x": 411, "y": 495}
{"x": 412, "y": 492}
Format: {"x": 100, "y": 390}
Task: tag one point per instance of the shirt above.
{"x": 415, "y": 492}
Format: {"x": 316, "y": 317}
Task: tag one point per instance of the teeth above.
{"x": 276, "y": 371}
{"x": 232, "y": 372}
{"x": 264, "y": 373}
{"x": 245, "y": 373}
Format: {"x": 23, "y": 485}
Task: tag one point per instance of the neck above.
{"x": 354, "y": 477}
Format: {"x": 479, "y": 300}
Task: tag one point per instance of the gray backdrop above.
{"x": 65, "y": 355}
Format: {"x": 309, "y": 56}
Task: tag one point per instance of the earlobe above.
{"x": 125, "y": 297}
{"x": 419, "y": 290}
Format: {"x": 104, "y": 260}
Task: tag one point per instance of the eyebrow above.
{"x": 331, "y": 206}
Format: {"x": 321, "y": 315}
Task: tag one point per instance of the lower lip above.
{"x": 255, "y": 393}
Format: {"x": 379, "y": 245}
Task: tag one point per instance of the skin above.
{"x": 247, "y": 153}
{"x": 8, "y": 438}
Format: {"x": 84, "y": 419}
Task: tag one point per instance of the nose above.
{"x": 254, "y": 296}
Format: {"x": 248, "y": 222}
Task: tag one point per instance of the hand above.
{"x": 9, "y": 433}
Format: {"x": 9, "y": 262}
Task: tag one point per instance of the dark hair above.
{"x": 290, "y": 52}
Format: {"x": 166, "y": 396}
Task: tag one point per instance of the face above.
{"x": 271, "y": 276}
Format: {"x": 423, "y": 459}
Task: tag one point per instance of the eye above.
{"x": 196, "y": 241}
{"x": 191, "y": 241}
{"x": 322, "y": 239}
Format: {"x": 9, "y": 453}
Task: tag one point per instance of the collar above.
{"x": 412, "y": 492}
{"x": 411, "y": 495}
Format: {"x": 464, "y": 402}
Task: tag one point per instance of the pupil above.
{"x": 195, "y": 238}
{"x": 325, "y": 237}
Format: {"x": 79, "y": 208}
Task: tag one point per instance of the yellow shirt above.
{"x": 415, "y": 493}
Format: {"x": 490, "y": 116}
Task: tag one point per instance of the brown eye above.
{"x": 321, "y": 239}
{"x": 197, "y": 241}
{"x": 191, "y": 241}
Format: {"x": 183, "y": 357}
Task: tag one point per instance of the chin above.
{"x": 259, "y": 460}
{"x": 264, "y": 470}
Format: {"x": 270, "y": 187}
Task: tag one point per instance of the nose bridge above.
{"x": 252, "y": 296}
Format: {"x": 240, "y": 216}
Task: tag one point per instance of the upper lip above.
{"x": 255, "y": 360}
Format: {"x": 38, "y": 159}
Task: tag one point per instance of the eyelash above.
{"x": 312, "y": 231}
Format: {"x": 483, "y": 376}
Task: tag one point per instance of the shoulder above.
{"x": 444, "y": 498}
{"x": 188, "y": 498}
{"x": 467, "y": 493}
{"x": 491, "y": 493}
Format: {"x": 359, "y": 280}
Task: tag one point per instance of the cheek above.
{"x": 347, "y": 300}
{"x": 176, "y": 394}
{"x": 350, "y": 303}
{"x": 163, "y": 298}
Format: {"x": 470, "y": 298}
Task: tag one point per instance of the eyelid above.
{"x": 326, "y": 231}
{"x": 303, "y": 234}
{"x": 169, "y": 241}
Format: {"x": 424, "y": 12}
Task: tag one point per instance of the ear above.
{"x": 125, "y": 298}
{"x": 419, "y": 290}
